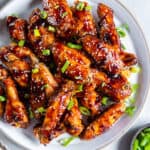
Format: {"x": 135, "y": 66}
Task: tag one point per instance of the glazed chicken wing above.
{"x": 56, "y": 109}
{"x": 17, "y": 28}
{"x": 60, "y": 16}
{"x": 78, "y": 68}
{"x": 43, "y": 85}
{"x": 104, "y": 121}
{"x": 73, "y": 119}
{"x": 84, "y": 20}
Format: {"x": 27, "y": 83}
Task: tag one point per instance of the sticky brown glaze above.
{"x": 44, "y": 40}
{"x": 118, "y": 88}
{"x": 105, "y": 56}
{"x": 73, "y": 119}
{"x": 78, "y": 69}
{"x": 107, "y": 31}
{"x": 42, "y": 87}
{"x": 56, "y": 109}
{"x": 104, "y": 121}
{"x": 85, "y": 23}
{"x": 17, "y": 28}
{"x": 15, "y": 112}
{"x": 60, "y": 16}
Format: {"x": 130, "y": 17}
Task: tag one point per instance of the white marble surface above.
{"x": 141, "y": 10}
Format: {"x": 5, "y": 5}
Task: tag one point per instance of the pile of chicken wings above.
{"x": 59, "y": 67}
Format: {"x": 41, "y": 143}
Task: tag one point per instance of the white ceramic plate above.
{"x": 16, "y": 139}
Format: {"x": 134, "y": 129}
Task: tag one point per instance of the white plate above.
{"x": 135, "y": 42}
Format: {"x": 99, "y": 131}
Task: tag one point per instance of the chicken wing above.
{"x": 17, "y": 28}
{"x": 39, "y": 36}
{"x": 60, "y": 16}
{"x": 85, "y": 23}
{"x": 104, "y": 55}
{"x": 42, "y": 86}
{"x": 56, "y": 109}
{"x": 73, "y": 119}
{"x": 78, "y": 68}
{"x": 104, "y": 121}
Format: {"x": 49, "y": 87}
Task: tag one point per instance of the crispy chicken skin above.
{"x": 73, "y": 119}
{"x": 60, "y": 16}
{"x": 42, "y": 87}
{"x": 17, "y": 28}
{"x": 104, "y": 121}
{"x": 85, "y": 23}
{"x": 56, "y": 109}
{"x": 78, "y": 69}
{"x": 105, "y": 56}
{"x": 15, "y": 112}
{"x": 108, "y": 32}
{"x": 45, "y": 38}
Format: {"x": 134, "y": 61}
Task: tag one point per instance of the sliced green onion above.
{"x": 35, "y": 70}
{"x": 78, "y": 77}
{"x": 26, "y": 95}
{"x": 70, "y": 105}
{"x": 75, "y": 46}
{"x": 31, "y": 116}
{"x": 88, "y": 8}
{"x": 44, "y": 86}
{"x": 80, "y": 6}
{"x": 105, "y": 101}
{"x": 64, "y": 14}
{"x": 85, "y": 111}
{"x": 135, "y": 87}
{"x": 65, "y": 66}
{"x": 41, "y": 110}
{"x": 46, "y": 52}
{"x": 66, "y": 141}
{"x": 43, "y": 14}
{"x": 125, "y": 26}
{"x": 103, "y": 84}
{"x": 51, "y": 28}
{"x": 80, "y": 88}
{"x": 123, "y": 46}
{"x": 132, "y": 101}
{"x": 130, "y": 110}
{"x": 135, "y": 69}
{"x": 2, "y": 98}
{"x": 21, "y": 43}
{"x": 37, "y": 33}
{"x": 121, "y": 32}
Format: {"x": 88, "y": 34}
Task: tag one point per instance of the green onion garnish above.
{"x": 130, "y": 110}
{"x": 35, "y": 70}
{"x": 135, "y": 87}
{"x": 121, "y": 32}
{"x": 75, "y": 46}
{"x": 80, "y": 6}
{"x": 31, "y": 116}
{"x": 132, "y": 101}
{"x": 80, "y": 88}
{"x": 88, "y": 8}
{"x": 43, "y": 14}
{"x": 65, "y": 66}
{"x": 103, "y": 84}
{"x": 125, "y": 26}
{"x": 46, "y": 52}
{"x": 85, "y": 111}
{"x": 135, "y": 69}
{"x": 41, "y": 110}
{"x": 37, "y": 33}
{"x": 123, "y": 46}
{"x": 51, "y": 28}
{"x": 26, "y": 95}
{"x": 21, "y": 43}
{"x": 66, "y": 141}
{"x": 64, "y": 14}
{"x": 70, "y": 105}
{"x": 2, "y": 98}
{"x": 44, "y": 86}
{"x": 104, "y": 100}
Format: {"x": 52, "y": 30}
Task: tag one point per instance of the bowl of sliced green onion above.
{"x": 141, "y": 140}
